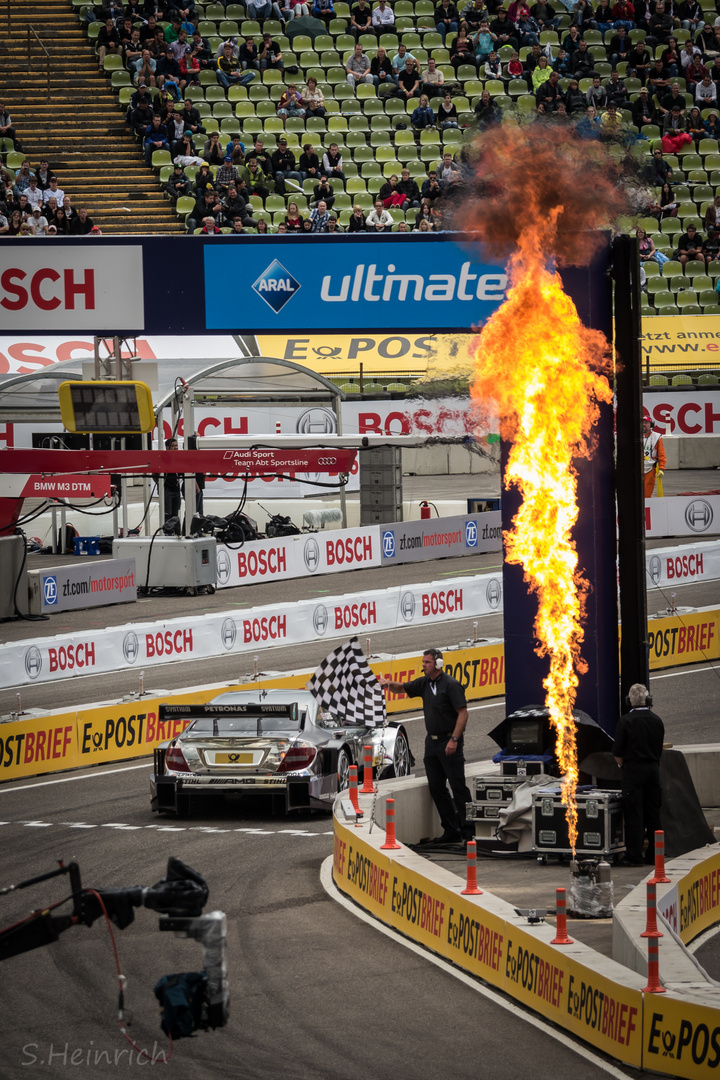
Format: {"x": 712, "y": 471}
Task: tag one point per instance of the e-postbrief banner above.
{"x": 441, "y": 538}
{"x": 85, "y": 584}
{"x": 197, "y": 637}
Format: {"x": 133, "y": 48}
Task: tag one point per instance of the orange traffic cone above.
{"x": 651, "y": 926}
{"x": 561, "y": 937}
{"x": 391, "y": 843}
{"x": 471, "y": 889}
{"x": 654, "y": 985}
{"x": 367, "y": 788}
{"x": 353, "y": 782}
{"x": 660, "y": 877}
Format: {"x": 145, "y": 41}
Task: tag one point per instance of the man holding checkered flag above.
{"x": 345, "y": 685}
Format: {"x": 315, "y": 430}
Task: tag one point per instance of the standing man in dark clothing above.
{"x": 638, "y": 746}
{"x": 173, "y": 486}
{"x": 446, "y": 715}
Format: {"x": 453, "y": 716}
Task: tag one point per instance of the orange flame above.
{"x": 542, "y": 369}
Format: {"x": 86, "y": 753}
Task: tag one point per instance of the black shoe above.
{"x": 448, "y": 838}
{"x": 625, "y": 860}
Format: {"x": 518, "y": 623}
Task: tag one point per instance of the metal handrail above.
{"x": 33, "y": 31}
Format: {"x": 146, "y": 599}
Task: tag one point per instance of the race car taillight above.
{"x": 297, "y": 757}
{"x": 175, "y": 760}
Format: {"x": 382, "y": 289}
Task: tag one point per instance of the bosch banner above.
{"x": 192, "y": 638}
{"x": 683, "y": 565}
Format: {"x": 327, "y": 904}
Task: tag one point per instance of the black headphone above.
{"x": 438, "y": 656}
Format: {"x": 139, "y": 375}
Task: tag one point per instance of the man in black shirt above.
{"x": 638, "y": 746}
{"x": 446, "y": 715}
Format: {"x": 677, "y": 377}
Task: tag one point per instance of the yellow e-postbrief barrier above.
{"x": 589, "y": 995}
{"x": 100, "y": 734}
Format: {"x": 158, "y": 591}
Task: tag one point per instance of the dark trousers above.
{"x": 172, "y": 503}
{"x": 443, "y": 769}
{"x": 642, "y": 799}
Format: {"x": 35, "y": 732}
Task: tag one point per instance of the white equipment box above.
{"x": 175, "y": 562}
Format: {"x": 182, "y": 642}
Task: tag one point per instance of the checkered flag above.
{"x": 345, "y": 686}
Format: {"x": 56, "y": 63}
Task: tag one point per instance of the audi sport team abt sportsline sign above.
{"x": 119, "y": 648}
{"x": 49, "y": 286}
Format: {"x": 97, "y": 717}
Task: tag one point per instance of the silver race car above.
{"x": 268, "y": 742}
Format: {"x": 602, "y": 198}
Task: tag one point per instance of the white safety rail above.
{"x": 683, "y": 564}
{"x": 683, "y": 515}
{"x": 197, "y": 637}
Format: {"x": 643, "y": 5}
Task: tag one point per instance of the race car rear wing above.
{"x": 196, "y": 712}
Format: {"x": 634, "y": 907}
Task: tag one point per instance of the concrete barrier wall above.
{"x": 692, "y": 451}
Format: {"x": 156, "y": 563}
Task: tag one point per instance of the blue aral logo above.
{"x": 471, "y": 536}
{"x": 276, "y": 286}
{"x": 50, "y": 590}
{"x": 388, "y": 544}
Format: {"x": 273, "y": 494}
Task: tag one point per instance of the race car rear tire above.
{"x": 344, "y": 761}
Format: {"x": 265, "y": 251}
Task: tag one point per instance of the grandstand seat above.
{"x": 693, "y": 268}
{"x": 681, "y": 380}
{"x": 708, "y": 379}
{"x": 687, "y": 298}
{"x": 657, "y": 285}
{"x": 659, "y": 380}
{"x": 707, "y": 298}
{"x": 184, "y": 206}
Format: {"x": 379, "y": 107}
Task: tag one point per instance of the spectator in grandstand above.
{"x": 671, "y": 99}
{"x": 290, "y": 103}
{"x": 52, "y": 191}
{"x": 283, "y": 166}
{"x": 383, "y": 19}
{"x": 705, "y": 40}
{"x": 424, "y": 226}
{"x": 259, "y": 10}
{"x": 706, "y": 92}
{"x": 582, "y": 63}
{"x": 670, "y": 57}
{"x": 206, "y": 204}
{"x": 623, "y": 12}
{"x": 617, "y": 91}
{"x": 236, "y": 150}
{"x": 408, "y": 187}
{"x": 163, "y": 105}
{"x": 431, "y": 190}
{"x": 235, "y": 208}
{"x": 712, "y": 126}
{"x": 333, "y": 228}
{"x": 423, "y": 116}
{"x": 322, "y": 192}
{"x": 619, "y": 47}
{"x": 390, "y": 195}
{"x": 248, "y": 55}
{"x": 425, "y": 213}
{"x": 596, "y": 94}
{"x": 696, "y": 71}
{"x": 227, "y": 175}
{"x": 357, "y": 221}
{"x": 270, "y": 55}
{"x": 14, "y": 222}
{"x": 484, "y": 43}
{"x": 572, "y": 40}
{"x": 108, "y": 41}
{"x": 399, "y": 59}
{"x": 293, "y": 221}
{"x": 639, "y": 61}
{"x": 493, "y": 67}
{"x": 319, "y": 217}
{"x": 503, "y": 31}
{"x": 178, "y": 183}
{"x": 715, "y": 70}
{"x": 643, "y": 109}
{"x": 448, "y": 172}
{"x": 180, "y": 45}
{"x": 22, "y": 176}
{"x": 309, "y": 164}
{"x": 358, "y": 67}
{"x": 257, "y": 181}
{"x": 360, "y": 19}
{"x": 689, "y": 247}
{"x": 646, "y": 248}
{"x": 541, "y": 74}
{"x": 332, "y": 163}
{"x": 447, "y": 115}
{"x": 432, "y": 79}
{"x": 81, "y": 223}
{"x": 172, "y": 30}
{"x": 191, "y": 118}
{"x": 168, "y": 74}
{"x": 313, "y": 99}
{"x": 674, "y": 125}
{"x": 690, "y": 14}
{"x": 38, "y": 222}
{"x": 660, "y": 26}
{"x": 210, "y": 227}
{"x": 324, "y": 9}
{"x": 56, "y": 216}
{"x": 176, "y": 131}
{"x": 381, "y": 69}
{"x": 409, "y": 81}
{"x": 379, "y": 220}
{"x": 190, "y": 67}
{"x": 446, "y": 18}
{"x": 187, "y": 153}
{"x": 262, "y": 157}
{"x": 549, "y": 93}
{"x": 583, "y": 15}
{"x": 229, "y": 70}
{"x": 712, "y": 214}
{"x": 515, "y": 68}
{"x": 526, "y": 27}
{"x": 145, "y": 69}
{"x": 687, "y": 53}
{"x": 33, "y": 192}
{"x": 44, "y": 174}
{"x": 487, "y": 111}
{"x": 201, "y": 50}
{"x": 155, "y": 138}
{"x": 306, "y": 225}
{"x": 474, "y": 14}
{"x": 695, "y": 125}
{"x": 133, "y": 50}
{"x": 711, "y": 247}
{"x": 574, "y": 99}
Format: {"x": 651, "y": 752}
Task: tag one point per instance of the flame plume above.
{"x": 545, "y": 373}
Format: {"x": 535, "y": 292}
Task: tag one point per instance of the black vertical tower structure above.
{"x": 615, "y": 268}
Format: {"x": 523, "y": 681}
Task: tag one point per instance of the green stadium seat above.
{"x": 708, "y": 379}
{"x": 659, "y": 380}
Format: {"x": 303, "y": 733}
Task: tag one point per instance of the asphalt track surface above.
{"x": 316, "y": 991}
